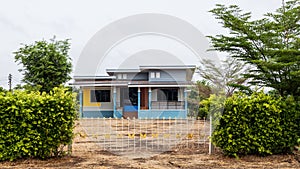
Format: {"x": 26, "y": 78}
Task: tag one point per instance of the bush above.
{"x": 34, "y": 124}
{"x": 258, "y": 124}
{"x": 213, "y": 105}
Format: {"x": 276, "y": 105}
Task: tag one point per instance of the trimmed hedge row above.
{"x": 34, "y": 124}
{"x": 258, "y": 124}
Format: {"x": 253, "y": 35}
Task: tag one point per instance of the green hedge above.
{"x": 258, "y": 124}
{"x": 213, "y": 105}
{"x": 34, "y": 124}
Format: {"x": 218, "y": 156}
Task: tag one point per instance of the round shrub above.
{"x": 34, "y": 124}
{"x": 257, "y": 124}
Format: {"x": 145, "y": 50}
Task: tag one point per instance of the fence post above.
{"x": 70, "y": 148}
{"x": 152, "y": 124}
{"x": 109, "y": 133}
{"x": 134, "y": 134}
{"x": 146, "y": 133}
{"x": 116, "y": 123}
{"x": 198, "y": 130}
{"x": 188, "y": 130}
{"x": 140, "y": 134}
{"x": 163, "y": 138}
{"x": 169, "y": 132}
{"x": 210, "y": 134}
{"x": 204, "y": 129}
{"x": 128, "y": 133}
{"x": 122, "y": 144}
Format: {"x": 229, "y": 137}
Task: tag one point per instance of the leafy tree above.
{"x": 227, "y": 76}
{"x": 2, "y": 89}
{"x": 271, "y": 44}
{"x": 204, "y": 89}
{"x": 45, "y": 64}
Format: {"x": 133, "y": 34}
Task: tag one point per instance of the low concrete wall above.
{"x": 97, "y": 114}
{"x": 160, "y": 114}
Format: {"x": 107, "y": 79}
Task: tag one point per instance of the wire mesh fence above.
{"x": 145, "y": 137}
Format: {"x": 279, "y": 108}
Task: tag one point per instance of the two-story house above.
{"x": 147, "y": 92}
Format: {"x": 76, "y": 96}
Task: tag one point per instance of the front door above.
{"x": 129, "y": 102}
{"x": 144, "y": 98}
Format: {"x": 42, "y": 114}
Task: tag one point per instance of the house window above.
{"x": 154, "y": 75}
{"x": 157, "y": 74}
{"x": 167, "y": 95}
{"x": 100, "y": 95}
{"x": 122, "y": 76}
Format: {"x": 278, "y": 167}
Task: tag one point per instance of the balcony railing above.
{"x": 175, "y": 105}
{"x": 167, "y": 105}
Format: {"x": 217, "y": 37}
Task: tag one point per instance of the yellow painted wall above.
{"x": 87, "y": 98}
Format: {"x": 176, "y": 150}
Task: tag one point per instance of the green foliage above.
{"x": 204, "y": 88}
{"x": 2, "y": 89}
{"x": 214, "y": 105}
{"x": 45, "y": 64}
{"x": 258, "y": 124}
{"x": 270, "y": 45}
{"x": 298, "y": 144}
{"x": 34, "y": 124}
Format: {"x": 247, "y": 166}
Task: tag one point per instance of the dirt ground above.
{"x": 89, "y": 155}
{"x": 188, "y": 158}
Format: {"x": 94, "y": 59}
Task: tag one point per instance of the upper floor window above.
{"x": 154, "y": 75}
{"x": 157, "y": 74}
{"x": 122, "y": 76}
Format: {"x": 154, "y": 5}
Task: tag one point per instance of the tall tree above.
{"x": 271, "y": 44}
{"x": 227, "y": 76}
{"x": 45, "y": 64}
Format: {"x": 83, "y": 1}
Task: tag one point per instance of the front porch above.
{"x": 150, "y": 102}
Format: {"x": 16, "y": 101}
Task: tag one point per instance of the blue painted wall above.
{"x": 155, "y": 114}
{"x": 97, "y": 114}
{"x": 160, "y": 114}
{"x": 130, "y": 108}
{"x": 118, "y": 114}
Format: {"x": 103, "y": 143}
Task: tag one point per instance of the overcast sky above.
{"x": 27, "y": 21}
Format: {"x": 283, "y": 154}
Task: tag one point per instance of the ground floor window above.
{"x": 129, "y": 96}
{"x": 100, "y": 95}
{"x": 167, "y": 95}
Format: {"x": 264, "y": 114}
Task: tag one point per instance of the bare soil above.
{"x": 104, "y": 159}
{"x": 196, "y": 157}
{"x": 89, "y": 155}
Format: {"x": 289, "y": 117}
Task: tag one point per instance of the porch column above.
{"x": 149, "y": 98}
{"x": 80, "y": 103}
{"x": 139, "y": 99}
{"x": 115, "y": 100}
{"x": 185, "y": 101}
